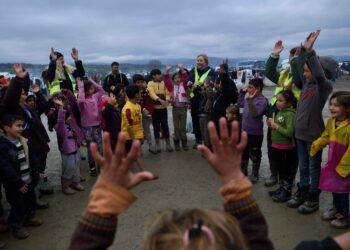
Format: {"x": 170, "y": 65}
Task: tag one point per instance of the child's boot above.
{"x": 158, "y": 149}
{"x": 299, "y": 197}
{"x": 184, "y": 145}
{"x": 66, "y": 189}
{"x": 284, "y": 194}
{"x": 77, "y": 186}
{"x": 168, "y": 145}
{"x": 177, "y": 145}
{"x": 19, "y": 232}
{"x": 311, "y": 203}
{"x": 255, "y": 172}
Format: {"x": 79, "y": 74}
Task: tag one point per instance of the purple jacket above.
{"x": 252, "y": 123}
{"x": 66, "y": 135}
{"x": 88, "y": 105}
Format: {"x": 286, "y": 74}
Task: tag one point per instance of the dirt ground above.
{"x": 186, "y": 181}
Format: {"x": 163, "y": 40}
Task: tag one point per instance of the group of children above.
{"x": 295, "y": 131}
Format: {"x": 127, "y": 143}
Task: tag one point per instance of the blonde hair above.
{"x": 205, "y": 57}
{"x": 60, "y": 70}
{"x": 168, "y": 229}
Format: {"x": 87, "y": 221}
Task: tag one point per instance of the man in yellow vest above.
{"x": 284, "y": 80}
{"x": 196, "y": 78}
{"x": 61, "y": 75}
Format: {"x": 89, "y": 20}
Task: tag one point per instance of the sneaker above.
{"x": 329, "y": 214}
{"x": 275, "y": 192}
{"x": 340, "y": 222}
{"x": 271, "y": 181}
{"x": 33, "y": 222}
{"x": 282, "y": 196}
{"x": 77, "y": 186}
{"x": 68, "y": 191}
{"x": 93, "y": 172}
{"x": 254, "y": 178}
{"x": 298, "y": 198}
{"x": 20, "y": 232}
{"x": 308, "y": 207}
{"x": 40, "y": 204}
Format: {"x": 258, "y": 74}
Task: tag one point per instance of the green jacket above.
{"x": 285, "y": 132}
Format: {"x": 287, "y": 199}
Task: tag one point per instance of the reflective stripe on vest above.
{"x": 199, "y": 80}
{"x": 285, "y": 80}
{"x": 54, "y": 86}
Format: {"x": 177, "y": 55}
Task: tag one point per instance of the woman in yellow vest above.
{"x": 61, "y": 75}
{"x": 196, "y": 78}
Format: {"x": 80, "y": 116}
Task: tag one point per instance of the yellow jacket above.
{"x": 338, "y": 140}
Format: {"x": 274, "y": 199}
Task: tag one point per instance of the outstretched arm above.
{"x": 239, "y": 202}
{"x": 110, "y": 194}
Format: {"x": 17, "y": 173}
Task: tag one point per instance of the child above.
{"x": 147, "y": 110}
{"x": 309, "y": 124}
{"x": 160, "y": 96}
{"x": 132, "y": 121}
{"x": 30, "y": 101}
{"x": 335, "y": 176}
{"x": 112, "y": 118}
{"x": 68, "y": 146}
{"x": 89, "y": 94}
{"x": 19, "y": 175}
{"x": 180, "y": 102}
{"x": 233, "y": 114}
{"x": 284, "y": 153}
{"x": 253, "y": 110}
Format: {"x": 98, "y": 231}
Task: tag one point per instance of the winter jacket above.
{"x": 335, "y": 176}
{"x": 34, "y": 130}
{"x": 66, "y": 135}
{"x": 284, "y": 134}
{"x": 50, "y": 73}
{"x": 252, "y": 122}
{"x": 88, "y": 105}
{"x": 112, "y": 80}
{"x": 10, "y": 167}
{"x": 309, "y": 120}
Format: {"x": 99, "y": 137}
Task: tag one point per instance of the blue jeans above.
{"x": 309, "y": 167}
{"x": 341, "y": 203}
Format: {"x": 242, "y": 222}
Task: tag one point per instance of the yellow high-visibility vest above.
{"x": 199, "y": 80}
{"x": 285, "y": 81}
{"x": 54, "y": 85}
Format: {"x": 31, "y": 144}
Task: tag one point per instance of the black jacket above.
{"x": 49, "y": 74}
{"x": 10, "y": 173}
{"x": 114, "y": 80}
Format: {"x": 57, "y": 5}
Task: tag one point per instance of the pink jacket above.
{"x": 88, "y": 105}
{"x": 183, "y": 86}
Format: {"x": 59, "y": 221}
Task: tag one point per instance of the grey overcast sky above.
{"x": 134, "y": 29}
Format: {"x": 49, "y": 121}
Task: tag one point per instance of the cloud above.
{"x": 131, "y": 30}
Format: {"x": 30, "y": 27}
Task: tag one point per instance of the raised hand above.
{"x": 35, "y": 88}
{"x": 168, "y": 67}
{"x": 310, "y": 40}
{"x": 278, "y": 47}
{"x": 75, "y": 54}
{"x": 53, "y": 55}
{"x": 115, "y": 166}
{"x": 19, "y": 70}
{"x": 226, "y": 158}
{"x": 225, "y": 61}
{"x": 180, "y": 66}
